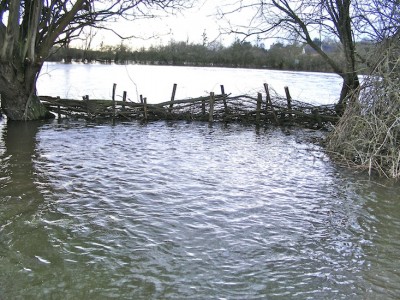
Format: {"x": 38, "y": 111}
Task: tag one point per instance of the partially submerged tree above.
{"x": 30, "y": 28}
{"x": 306, "y": 19}
{"x": 368, "y": 133}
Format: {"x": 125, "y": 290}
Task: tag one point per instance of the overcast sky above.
{"x": 187, "y": 25}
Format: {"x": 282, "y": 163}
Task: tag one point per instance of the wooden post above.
{"x": 172, "y": 97}
{"x": 113, "y": 99}
{"x": 224, "y": 99}
{"x": 258, "y": 109}
{"x": 289, "y": 100}
{"x": 123, "y": 100}
{"x": 211, "y": 112}
{"x": 58, "y": 109}
{"x": 268, "y": 98}
{"x": 269, "y": 102}
{"x": 203, "y": 107}
{"x": 113, "y": 90}
{"x": 141, "y": 99}
{"x": 145, "y": 108}
{"x": 86, "y": 99}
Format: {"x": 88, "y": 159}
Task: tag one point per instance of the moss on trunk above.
{"x": 18, "y": 92}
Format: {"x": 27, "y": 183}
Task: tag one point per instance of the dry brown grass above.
{"x": 367, "y": 135}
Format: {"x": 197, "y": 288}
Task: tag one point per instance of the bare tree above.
{"x": 377, "y": 20}
{"x": 346, "y": 20}
{"x": 30, "y": 28}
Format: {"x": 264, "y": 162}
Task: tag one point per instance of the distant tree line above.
{"x": 280, "y": 56}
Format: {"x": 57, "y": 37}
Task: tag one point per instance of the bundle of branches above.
{"x": 367, "y": 135}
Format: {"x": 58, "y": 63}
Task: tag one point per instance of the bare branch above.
{"x": 12, "y": 32}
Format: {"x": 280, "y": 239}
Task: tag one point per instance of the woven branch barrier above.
{"x": 260, "y": 109}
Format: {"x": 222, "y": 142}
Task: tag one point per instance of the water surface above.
{"x": 176, "y": 210}
{"x": 156, "y": 82}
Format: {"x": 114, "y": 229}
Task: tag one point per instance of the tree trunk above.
{"x": 350, "y": 86}
{"x": 349, "y": 91}
{"x": 19, "y": 100}
{"x": 350, "y": 75}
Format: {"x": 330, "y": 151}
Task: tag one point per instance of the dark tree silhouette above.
{"x": 345, "y": 20}
{"x": 30, "y": 28}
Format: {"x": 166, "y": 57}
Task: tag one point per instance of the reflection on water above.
{"x": 155, "y": 82}
{"x": 185, "y": 210}
{"x": 24, "y": 241}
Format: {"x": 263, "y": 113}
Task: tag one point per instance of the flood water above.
{"x": 156, "y": 82}
{"x": 178, "y": 210}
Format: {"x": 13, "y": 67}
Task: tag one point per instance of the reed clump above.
{"x": 367, "y": 135}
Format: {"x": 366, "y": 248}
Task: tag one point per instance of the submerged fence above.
{"x": 260, "y": 109}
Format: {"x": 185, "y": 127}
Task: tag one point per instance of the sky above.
{"x": 188, "y": 25}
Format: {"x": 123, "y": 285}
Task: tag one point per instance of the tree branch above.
{"x": 29, "y": 41}
{"x": 12, "y": 31}
{"x": 60, "y": 27}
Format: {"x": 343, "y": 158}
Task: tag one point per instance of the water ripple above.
{"x": 184, "y": 210}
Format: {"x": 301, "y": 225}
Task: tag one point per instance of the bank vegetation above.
{"x": 368, "y": 134}
{"x": 280, "y": 56}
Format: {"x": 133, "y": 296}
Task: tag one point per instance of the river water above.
{"x": 156, "y": 82}
{"x": 187, "y": 210}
